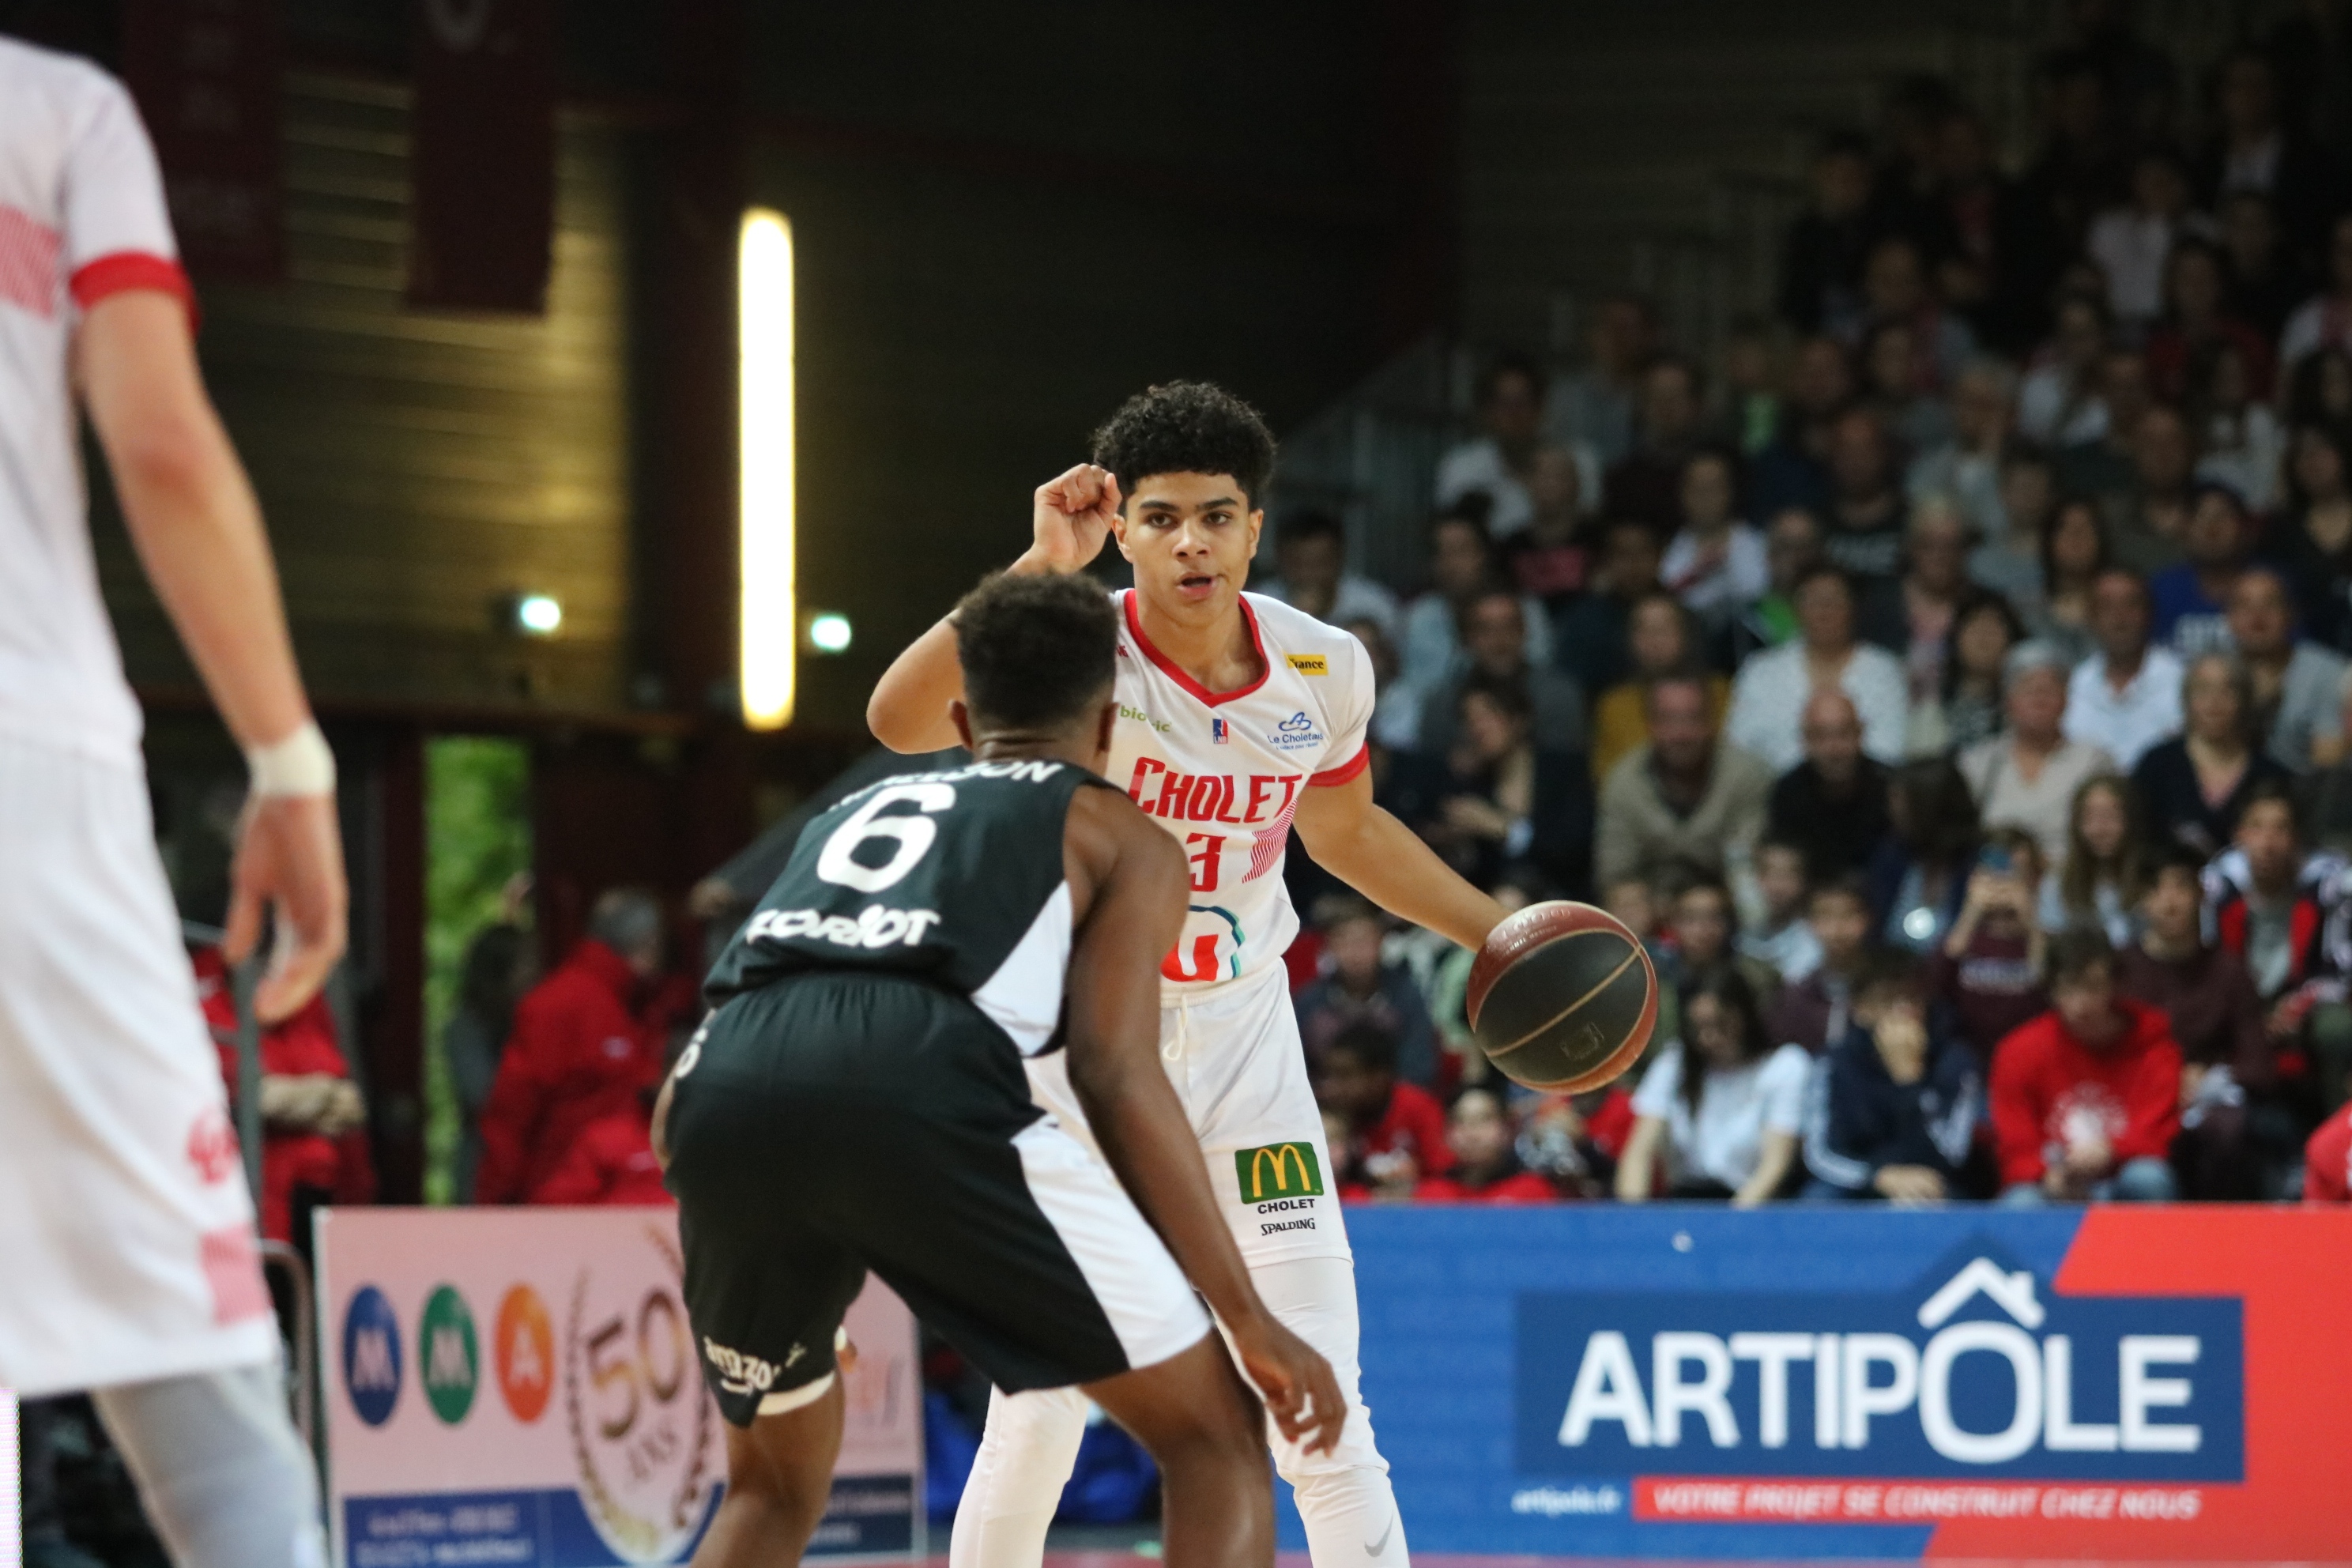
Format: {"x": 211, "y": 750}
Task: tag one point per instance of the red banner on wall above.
{"x": 484, "y": 153}
{"x": 206, "y": 73}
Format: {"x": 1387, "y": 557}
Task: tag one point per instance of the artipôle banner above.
{"x": 483, "y": 154}
{"x": 521, "y": 1386}
{"x": 205, "y": 75}
{"x": 2131, "y": 1384}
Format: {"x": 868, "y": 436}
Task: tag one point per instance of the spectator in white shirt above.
{"x": 2124, "y": 698}
{"x": 2131, "y": 243}
{"x": 1769, "y": 698}
{"x": 1718, "y": 1113}
{"x": 1499, "y": 463}
{"x": 1716, "y": 565}
{"x": 1311, "y": 554}
{"x": 2026, "y": 776}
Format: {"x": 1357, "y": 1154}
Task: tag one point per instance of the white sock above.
{"x": 1344, "y": 1499}
{"x": 225, "y": 1479}
{"x": 1026, "y": 1458}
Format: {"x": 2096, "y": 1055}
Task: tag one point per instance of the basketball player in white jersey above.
{"x": 127, "y": 1256}
{"x": 1239, "y": 718}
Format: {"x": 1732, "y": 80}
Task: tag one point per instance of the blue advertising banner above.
{"x": 1688, "y": 1382}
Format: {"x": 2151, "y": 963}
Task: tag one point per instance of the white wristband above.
{"x": 301, "y": 764}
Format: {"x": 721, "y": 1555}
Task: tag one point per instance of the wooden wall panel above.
{"x": 416, "y": 466}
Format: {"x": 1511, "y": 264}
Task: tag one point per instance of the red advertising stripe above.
{"x": 1779, "y": 1499}
{"x": 2290, "y": 1266}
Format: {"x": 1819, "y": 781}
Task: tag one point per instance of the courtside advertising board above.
{"x": 1812, "y": 1381}
{"x": 520, "y": 1386}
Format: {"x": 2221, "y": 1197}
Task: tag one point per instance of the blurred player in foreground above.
{"x": 1238, "y": 717}
{"x": 933, "y": 931}
{"x": 125, "y": 1224}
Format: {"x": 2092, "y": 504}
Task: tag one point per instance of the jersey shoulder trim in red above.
{"x": 1345, "y": 770}
{"x": 129, "y": 269}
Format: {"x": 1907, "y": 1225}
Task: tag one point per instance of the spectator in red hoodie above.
{"x": 612, "y": 1163}
{"x": 1487, "y": 1170}
{"x": 313, "y": 1139}
{"x": 2086, "y": 1098}
{"x": 1396, "y": 1131}
{"x": 578, "y": 1055}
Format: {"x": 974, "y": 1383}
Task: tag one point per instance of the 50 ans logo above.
{"x": 641, "y": 1420}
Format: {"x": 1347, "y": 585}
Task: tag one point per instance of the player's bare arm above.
{"x": 1127, "y": 881}
{"x": 1071, "y": 517}
{"x": 198, "y": 532}
{"x": 1368, "y": 848}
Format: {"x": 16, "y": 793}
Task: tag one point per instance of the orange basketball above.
{"x": 1562, "y": 997}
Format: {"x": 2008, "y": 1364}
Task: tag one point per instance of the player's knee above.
{"x": 1044, "y": 1428}
{"x": 1223, "y": 1431}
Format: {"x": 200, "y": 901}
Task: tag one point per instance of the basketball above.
{"x": 1562, "y": 997}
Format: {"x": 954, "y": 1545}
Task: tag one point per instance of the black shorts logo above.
{"x": 1278, "y": 1171}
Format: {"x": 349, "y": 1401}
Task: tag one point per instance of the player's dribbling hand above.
{"x": 1072, "y": 517}
{"x": 290, "y": 858}
{"x": 1297, "y": 1383}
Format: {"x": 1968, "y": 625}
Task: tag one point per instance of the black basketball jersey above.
{"x": 955, "y": 877}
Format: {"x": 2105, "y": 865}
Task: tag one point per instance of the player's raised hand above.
{"x": 1297, "y": 1383}
{"x": 1072, "y": 517}
{"x": 290, "y": 858}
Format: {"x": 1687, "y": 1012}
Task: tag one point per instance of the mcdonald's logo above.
{"x": 1278, "y": 1171}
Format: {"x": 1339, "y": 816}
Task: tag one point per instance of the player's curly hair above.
{"x": 1187, "y": 428}
{"x": 1037, "y": 651}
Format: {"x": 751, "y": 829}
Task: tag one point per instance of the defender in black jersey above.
{"x": 858, "y": 1101}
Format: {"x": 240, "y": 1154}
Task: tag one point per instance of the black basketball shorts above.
{"x": 835, "y": 1122}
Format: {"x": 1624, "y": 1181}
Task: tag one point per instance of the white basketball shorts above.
{"x": 125, "y": 1224}
{"x": 1233, "y": 1055}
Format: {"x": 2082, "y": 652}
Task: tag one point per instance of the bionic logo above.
{"x": 1159, "y": 726}
{"x": 1972, "y": 1372}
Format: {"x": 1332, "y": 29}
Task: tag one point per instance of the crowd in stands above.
{"x": 1949, "y": 685}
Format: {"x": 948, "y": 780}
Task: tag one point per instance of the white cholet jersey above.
{"x": 81, "y": 217}
{"x": 1224, "y": 772}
